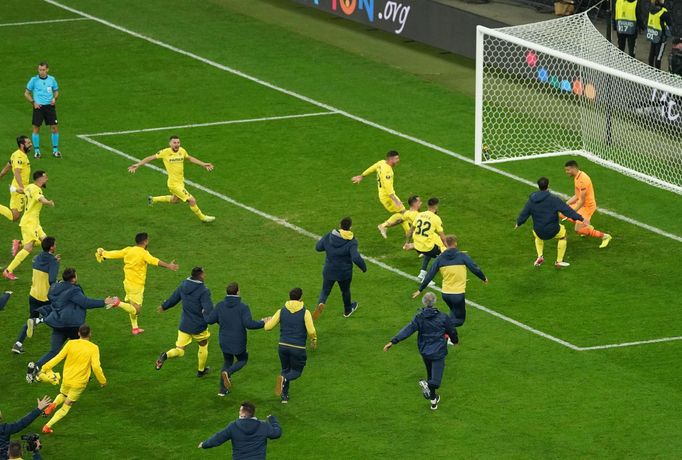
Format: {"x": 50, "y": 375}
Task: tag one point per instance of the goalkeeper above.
{"x": 544, "y": 208}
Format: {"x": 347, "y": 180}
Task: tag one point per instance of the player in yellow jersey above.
{"x": 135, "y": 260}
{"x": 31, "y": 231}
{"x": 408, "y": 217}
{"x": 429, "y": 237}
{"x": 387, "y": 196}
{"x": 20, "y": 166}
{"x": 81, "y": 356}
{"x": 174, "y": 161}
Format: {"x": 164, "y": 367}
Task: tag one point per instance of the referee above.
{"x": 42, "y": 91}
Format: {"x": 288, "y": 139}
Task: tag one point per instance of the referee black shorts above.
{"x": 46, "y": 113}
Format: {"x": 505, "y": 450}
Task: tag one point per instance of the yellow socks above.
{"x": 6, "y": 212}
{"x": 195, "y": 209}
{"x": 162, "y": 199}
{"x": 132, "y": 312}
{"x": 175, "y": 353}
{"x": 540, "y": 246}
{"x": 18, "y": 259}
{"x": 561, "y": 249}
{"x": 202, "y": 356}
{"x": 60, "y": 414}
{"x": 59, "y": 399}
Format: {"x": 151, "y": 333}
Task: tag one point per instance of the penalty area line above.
{"x": 312, "y": 235}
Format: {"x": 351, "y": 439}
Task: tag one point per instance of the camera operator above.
{"x": 7, "y": 429}
{"x": 15, "y": 452}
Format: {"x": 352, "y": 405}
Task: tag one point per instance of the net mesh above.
{"x": 559, "y": 87}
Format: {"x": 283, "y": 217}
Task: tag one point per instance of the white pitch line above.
{"x": 630, "y": 344}
{"x": 212, "y": 123}
{"x": 330, "y": 108}
{"x": 314, "y": 236}
{"x": 47, "y": 21}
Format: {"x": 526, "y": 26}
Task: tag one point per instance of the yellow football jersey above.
{"x": 174, "y": 162}
{"x": 384, "y": 173}
{"x": 81, "y": 356}
{"x": 410, "y": 216}
{"x": 20, "y": 160}
{"x": 427, "y": 229}
{"x": 135, "y": 261}
{"x": 33, "y": 205}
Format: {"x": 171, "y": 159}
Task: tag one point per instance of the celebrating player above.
{"x": 31, "y": 231}
{"x": 42, "y": 92}
{"x": 584, "y": 203}
{"x": 174, "y": 161}
{"x": 428, "y": 235}
{"x": 196, "y": 301}
{"x": 387, "y": 196}
{"x": 408, "y": 217}
{"x": 135, "y": 261}
{"x": 20, "y": 166}
{"x": 81, "y": 355}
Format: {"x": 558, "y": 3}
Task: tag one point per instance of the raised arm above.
{"x": 196, "y": 161}
{"x": 118, "y": 254}
{"x": 144, "y": 161}
{"x": 88, "y": 303}
{"x": 170, "y": 266}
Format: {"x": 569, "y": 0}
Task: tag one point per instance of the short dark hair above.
{"x": 450, "y": 239}
{"x": 21, "y": 140}
{"x": 69, "y": 274}
{"x": 232, "y": 289}
{"x": 173, "y": 137}
{"x": 47, "y": 243}
{"x": 392, "y": 153}
{"x": 433, "y": 201}
{"x": 43, "y": 63}
{"x": 412, "y": 199}
{"x": 14, "y": 449}
{"x": 296, "y": 294}
{"x": 571, "y": 164}
{"x": 249, "y": 408}
{"x": 38, "y": 174}
{"x": 346, "y": 223}
{"x": 196, "y": 271}
{"x": 141, "y": 237}
{"x": 543, "y": 183}
{"x": 84, "y": 330}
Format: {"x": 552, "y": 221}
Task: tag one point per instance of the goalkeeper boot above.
{"x": 605, "y": 240}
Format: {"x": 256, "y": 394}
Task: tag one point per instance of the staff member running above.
{"x": 42, "y": 92}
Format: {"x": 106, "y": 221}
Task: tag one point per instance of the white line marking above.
{"x": 212, "y": 123}
{"x": 47, "y": 21}
{"x": 630, "y": 344}
{"x": 305, "y": 232}
{"x": 342, "y": 112}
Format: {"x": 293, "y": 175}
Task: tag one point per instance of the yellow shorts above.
{"x": 390, "y": 205}
{"x": 185, "y": 339}
{"x": 32, "y": 233}
{"x": 560, "y": 234}
{"x": 72, "y": 393}
{"x": 17, "y": 201}
{"x": 179, "y": 191}
{"x": 134, "y": 293}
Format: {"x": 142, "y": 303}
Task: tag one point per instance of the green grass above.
{"x": 507, "y": 393}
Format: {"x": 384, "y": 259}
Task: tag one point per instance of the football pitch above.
{"x": 288, "y": 105}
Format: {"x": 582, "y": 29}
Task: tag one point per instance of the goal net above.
{"x": 560, "y": 88}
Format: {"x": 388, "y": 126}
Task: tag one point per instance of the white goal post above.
{"x": 559, "y": 87}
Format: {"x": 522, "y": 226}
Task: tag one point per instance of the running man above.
{"x": 196, "y": 302}
{"x": 20, "y": 166}
{"x": 174, "y": 161}
{"x": 135, "y": 261}
{"x": 81, "y": 356}
{"x": 31, "y": 231}
{"x": 584, "y": 203}
{"x": 408, "y": 217}
{"x": 387, "y": 196}
{"x": 429, "y": 237}
{"x": 42, "y": 92}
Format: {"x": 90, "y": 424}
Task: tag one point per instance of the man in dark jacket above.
{"x": 431, "y": 326}
{"x": 545, "y": 207}
{"x": 342, "y": 252}
{"x": 69, "y": 308}
{"x": 196, "y": 302}
{"x": 234, "y": 318}
{"x": 8, "y": 429}
{"x": 45, "y": 272}
{"x": 248, "y": 434}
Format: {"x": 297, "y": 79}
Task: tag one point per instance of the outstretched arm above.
{"x": 133, "y": 168}
{"x": 366, "y": 172}
{"x": 525, "y": 214}
{"x": 471, "y": 265}
{"x": 217, "y": 439}
{"x": 170, "y": 266}
{"x": 172, "y": 300}
{"x": 275, "y": 430}
{"x": 196, "y": 161}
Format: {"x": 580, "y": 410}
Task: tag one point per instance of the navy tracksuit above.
{"x": 544, "y": 207}
{"x": 249, "y": 437}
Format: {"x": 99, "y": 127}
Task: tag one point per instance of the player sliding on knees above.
{"x": 174, "y": 161}
{"x": 387, "y": 196}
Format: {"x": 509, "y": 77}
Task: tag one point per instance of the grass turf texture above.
{"x": 506, "y": 392}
